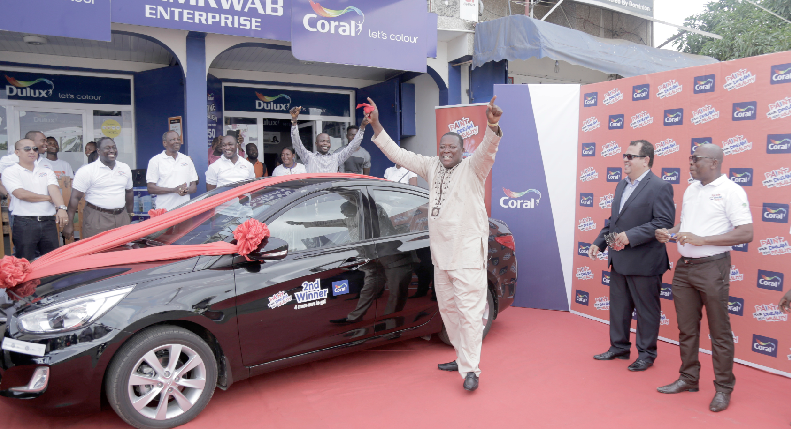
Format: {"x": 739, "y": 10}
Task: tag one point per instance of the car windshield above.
{"x": 217, "y": 224}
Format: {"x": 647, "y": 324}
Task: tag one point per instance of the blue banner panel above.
{"x": 83, "y": 19}
{"x": 64, "y": 88}
{"x": 381, "y": 33}
{"x": 265, "y": 19}
{"x": 278, "y": 100}
{"x": 214, "y": 106}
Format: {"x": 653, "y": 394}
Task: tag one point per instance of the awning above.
{"x": 518, "y": 37}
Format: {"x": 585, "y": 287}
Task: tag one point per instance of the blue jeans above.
{"x": 33, "y": 237}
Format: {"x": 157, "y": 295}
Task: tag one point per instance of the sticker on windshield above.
{"x": 279, "y": 299}
{"x": 340, "y": 288}
{"x": 311, "y": 295}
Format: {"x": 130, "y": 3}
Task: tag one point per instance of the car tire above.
{"x": 189, "y": 383}
{"x": 488, "y": 316}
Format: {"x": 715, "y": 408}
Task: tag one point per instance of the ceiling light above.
{"x": 34, "y": 40}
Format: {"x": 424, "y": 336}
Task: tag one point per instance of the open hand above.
{"x": 493, "y": 112}
{"x": 61, "y": 218}
{"x": 295, "y": 112}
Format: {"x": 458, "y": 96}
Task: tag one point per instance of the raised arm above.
{"x": 418, "y": 164}
{"x": 353, "y": 145}
{"x": 483, "y": 157}
{"x": 296, "y": 142}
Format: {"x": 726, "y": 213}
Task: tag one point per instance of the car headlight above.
{"x": 72, "y": 314}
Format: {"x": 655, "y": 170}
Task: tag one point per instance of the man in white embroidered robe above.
{"x": 458, "y": 232}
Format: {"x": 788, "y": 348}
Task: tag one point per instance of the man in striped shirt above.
{"x": 322, "y": 161}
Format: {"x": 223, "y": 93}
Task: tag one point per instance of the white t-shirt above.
{"x": 36, "y": 181}
{"x": 224, "y": 172}
{"x": 282, "y": 170}
{"x": 61, "y": 168}
{"x": 400, "y": 175}
{"x": 8, "y": 161}
{"x": 714, "y": 209}
{"x": 102, "y": 186}
{"x": 165, "y": 171}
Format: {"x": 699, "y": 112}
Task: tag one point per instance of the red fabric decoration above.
{"x": 156, "y": 212}
{"x": 367, "y": 108}
{"x": 24, "y": 290}
{"x": 13, "y": 271}
{"x": 249, "y": 236}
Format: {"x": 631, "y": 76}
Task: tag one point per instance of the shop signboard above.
{"x": 376, "y": 33}
{"x": 632, "y": 7}
{"x": 84, "y": 19}
{"x": 279, "y": 100}
{"x": 63, "y": 88}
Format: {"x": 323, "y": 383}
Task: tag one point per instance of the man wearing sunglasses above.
{"x": 642, "y": 204}
{"x": 715, "y": 215}
{"x": 39, "y": 146}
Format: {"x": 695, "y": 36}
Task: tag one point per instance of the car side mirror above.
{"x": 271, "y": 249}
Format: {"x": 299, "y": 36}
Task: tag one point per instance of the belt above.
{"x": 37, "y": 218}
{"x": 108, "y": 211}
{"x": 686, "y": 260}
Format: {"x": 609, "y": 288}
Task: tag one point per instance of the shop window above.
{"x": 3, "y": 130}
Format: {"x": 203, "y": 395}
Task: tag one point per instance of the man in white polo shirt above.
{"x": 230, "y": 167}
{"x": 34, "y": 194}
{"x": 107, "y": 187}
{"x": 171, "y": 175}
{"x": 715, "y": 215}
{"x": 40, "y": 143}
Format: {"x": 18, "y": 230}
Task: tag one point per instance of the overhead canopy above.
{"x": 518, "y": 37}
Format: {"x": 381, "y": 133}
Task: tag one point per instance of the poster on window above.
{"x": 469, "y": 10}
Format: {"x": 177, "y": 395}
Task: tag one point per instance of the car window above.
{"x": 329, "y": 219}
{"x": 400, "y": 212}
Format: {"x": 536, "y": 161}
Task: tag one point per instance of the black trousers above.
{"x": 33, "y": 237}
{"x": 629, "y": 293}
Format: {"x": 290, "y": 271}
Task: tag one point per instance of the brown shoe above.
{"x": 678, "y": 386}
{"x": 720, "y": 402}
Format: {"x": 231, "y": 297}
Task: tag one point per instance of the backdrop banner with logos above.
{"x": 744, "y": 106}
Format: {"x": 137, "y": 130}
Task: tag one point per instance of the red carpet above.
{"x": 538, "y": 371}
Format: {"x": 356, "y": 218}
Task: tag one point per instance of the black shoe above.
{"x": 471, "y": 382}
{"x": 719, "y": 403}
{"x": 678, "y": 386}
{"x": 608, "y": 355}
{"x": 450, "y": 366}
{"x": 640, "y": 365}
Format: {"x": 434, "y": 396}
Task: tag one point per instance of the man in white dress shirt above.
{"x": 458, "y": 229}
{"x": 230, "y": 168}
{"x": 401, "y": 175}
{"x": 322, "y": 161}
{"x": 290, "y": 165}
{"x": 106, "y": 185}
{"x": 171, "y": 175}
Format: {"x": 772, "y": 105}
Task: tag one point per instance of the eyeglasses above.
{"x": 630, "y": 157}
{"x": 694, "y": 158}
{"x": 28, "y": 149}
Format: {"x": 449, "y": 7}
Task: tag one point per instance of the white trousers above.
{"x": 461, "y": 295}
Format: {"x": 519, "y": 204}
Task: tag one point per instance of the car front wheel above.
{"x": 162, "y": 378}
{"x": 488, "y": 318}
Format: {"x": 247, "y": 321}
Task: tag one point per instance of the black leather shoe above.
{"x": 608, "y": 355}
{"x": 720, "y": 402}
{"x": 471, "y": 382}
{"x": 678, "y": 386}
{"x": 640, "y": 365}
{"x": 450, "y": 366}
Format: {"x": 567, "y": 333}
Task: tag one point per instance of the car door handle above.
{"x": 354, "y": 262}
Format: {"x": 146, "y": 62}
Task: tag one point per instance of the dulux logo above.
{"x": 674, "y": 117}
{"x": 777, "y": 213}
{"x": 582, "y": 297}
{"x": 742, "y": 176}
{"x": 614, "y": 174}
{"x": 641, "y": 92}
{"x": 666, "y": 291}
{"x": 519, "y": 204}
{"x": 586, "y": 199}
{"x": 589, "y": 149}
{"x": 745, "y": 111}
{"x": 616, "y": 122}
{"x": 781, "y": 73}
{"x": 582, "y": 248}
{"x": 671, "y": 175}
{"x": 268, "y": 103}
{"x": 350, "y": 28}
{"x": 591, "y": 99}
{"x": 736, "y": 306}
{"x": 778, "y": 143}
{"x": 740, "y": 247}
{"x": 765, "y": 345}
{"x": 705, "y": 84}
{"x": 22, "y": 88}
{"x": 697, "y": 141}
{"x": 770, "y": 280}
{"x": 605, "y": 278}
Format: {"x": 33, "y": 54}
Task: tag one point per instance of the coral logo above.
{"x": 351, "y": 28}
{"x": 582, "y": 297}
{"x": 778, "y": 143}
{"x": 605, "y": 278}
{"x": 736, "y": 306}
{"x": 589, "y": 149}
{"x": 614, "y": 174}
{"x": 616, "y": 122}
{"x": 591, "y": 99}
{"x": 742, "y": 176}
{"x": 705, "y": 84}
{"x": 671, "y": 175}
{"x": 582, "y": 248}
{"x": 697, "y": 141}
{"x": 777, "y": 213}
{"x": 340, "y": 287}
{"x": 746, "y": 111}
{"x": 674, "y": 117}
{"x": 519, "y": 204}
{"x": 268, "y": 103}
{"x": 765, "y": 345}
{"x": 586, "y": 199}
{"x": 22, "y": 88}
{"x": 770, "y": 280}
{"x": 781, "y": 73}
{"x": 666, "y": 291}
{"x": 641, "y": 92}
{"x": 740, "y": 248}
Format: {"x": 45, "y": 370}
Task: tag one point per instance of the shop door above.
{"x": 67, "y": 126}
{"x": 386, "y": 97}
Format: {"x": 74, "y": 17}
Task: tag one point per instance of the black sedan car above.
{"x": 347, "y": 267}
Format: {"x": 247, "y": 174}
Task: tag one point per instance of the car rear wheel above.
{"x": 488, "y": 318}
{"x": 162, "y": 378}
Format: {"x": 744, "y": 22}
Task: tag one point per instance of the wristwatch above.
{"x": 63, "y": 208}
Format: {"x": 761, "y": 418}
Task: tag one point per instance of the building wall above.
{"x": 159, "y": 94}
{"x": 425, "y": 140}
{"x": 545, "y": 70}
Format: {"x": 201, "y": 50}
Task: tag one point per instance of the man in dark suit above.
{"x": 642, "y": 203}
